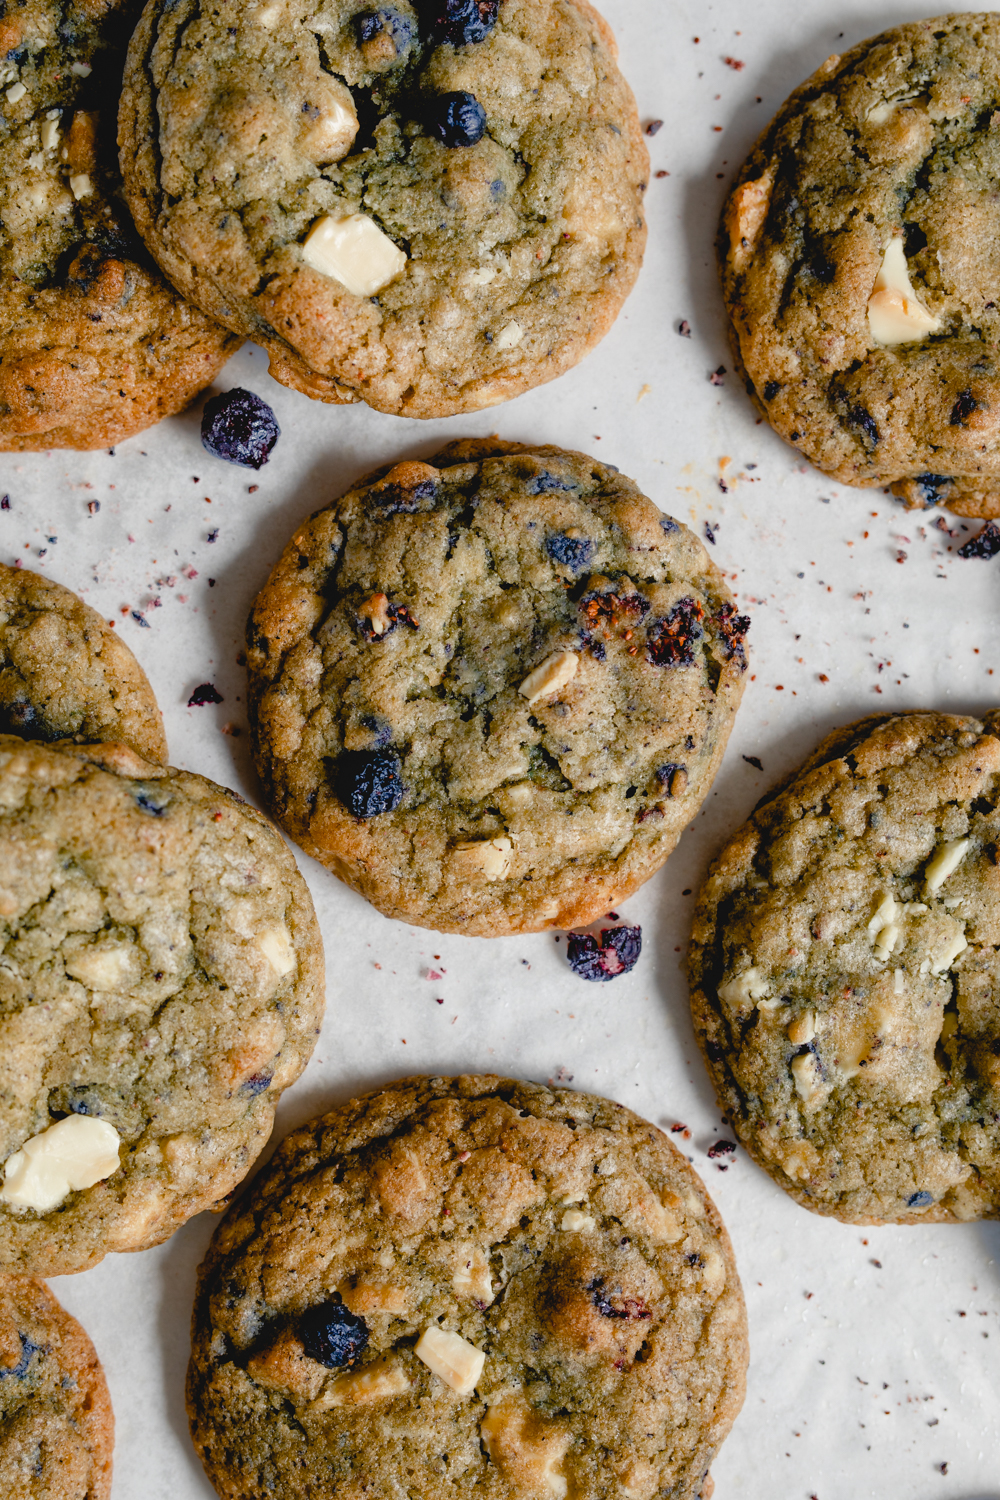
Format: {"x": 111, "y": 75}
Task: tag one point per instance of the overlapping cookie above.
{"x": 94, "y": 345}
{"x": 161, "y": 985}
{"x": 861, "y": 271}
{"x": 490, "y": 691}
{"x": 65, "y": 675}
{"x": 56, "y": 1423}
{"x": 491, "y": 1287}
{"x": 428, "y": 207}
{"x": 844, "y": 970}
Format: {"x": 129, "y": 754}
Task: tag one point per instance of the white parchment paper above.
{"x": 875, "y": 1353}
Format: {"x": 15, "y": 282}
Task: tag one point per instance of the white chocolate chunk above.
{"x": 472, "y": 1277}
{"x": 895, "y": 315}
{"x": 276, "y": 945}
{"x": 802, "y": 1029}
{"x": 81, "y": 185}
{"x": 355, "y": 252}
{"x": 885, "y": 912}
{"x": 49, "y": 132}
{"x": 750, "y": 985}
{"x": 808, "y": 1077}
{"x": 104, "y": 966}
{"x": 948, "y": 954}
{"x": 452, "y": 1358}
{"x": 331, "y": 126}
{"x": 898, "y": 982}
{"x": 886, "y": 940}
{"x": 484, "y": 859}
{"x": 16, "y": 92}
{"x": 81, "y": 69}
{"x": 575, "y": 1222}
{"x": 527, "y": 1449}
{"x": 946, "y": 861}
{"x": 71, "y": 1155}
{"x": 552, "y": 675}
{"x": 509, "y": 336}
{"x": 378, "y": 1382}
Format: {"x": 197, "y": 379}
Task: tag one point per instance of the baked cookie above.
{"x": 845, "y": 972}
{"x": 428, "y": 207}
{"x": 65, "y": 675}
{"x": 491, "y": 690}
{"x": 498, "y": 1289}
{"x": 860, "y": 258}
{"x": 94, "y": 345}
{"x": 56, "y": 1423}
{"x": 161, "y": 983}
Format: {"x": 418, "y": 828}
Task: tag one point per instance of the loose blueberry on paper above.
{"x": 239, "y": 427}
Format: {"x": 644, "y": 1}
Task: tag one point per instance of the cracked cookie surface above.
{"x": 161, "y": 984}
{"x": 490, "y": 1286}
{"x": 490, "y": 691}
{"x": 491, "y": 189}
{"x": 844, "y": 965}
{"x": 65, "y": 675}
{"x": 860, "y": 265}
{"x": 56, "y": 1423}
{"x": 94, "y": 344}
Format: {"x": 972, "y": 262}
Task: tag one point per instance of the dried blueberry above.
{"x": 239, "y": 427}
{"x": 462, "y": 22}
{"x": 732, "y": 630}
{"x": 204, "y": 693}
{"x": 919, "y": 1200}
{"x": 670, "y": 642}
{"x": 332, "y": 1335}
{"x": 456, "y": 119}
{"x": 985, "y": 544}
{"x": 21, "y": 1368}
{"x": 370, "y": 25}
{"x": 771, "y": 389}
{"x": 391, "y": 499}
{"x": 721, "y": 1148}
{"x": 616, "y": 953}
{"x": 931, "y": 486}
{"x": 963, "y": 409}
{"x": 542, "y": 483}
{"x": 572, "y": 552}
{"x": 368, "y": 782}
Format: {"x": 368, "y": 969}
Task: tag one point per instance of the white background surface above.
{"x": 875, "y": 1353}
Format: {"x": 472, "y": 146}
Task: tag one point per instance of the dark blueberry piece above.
{"x": 668, "y": 524}
{"x": 372, "y": 24}
{"x": 721, "y": 1148}
{"x": 919, "y": 1200}
{"x": 462, "y": 22}
{"x": 18, "y": 717}
{"x": 986, "y": 544}
{"x": 332, "y": 1335}
{"x": 255, "y": 1084}
{"x": 673, "y": 777}
{"x": 732, "y": 630}
{"x": 390, "y": 499}
{"x": 239, "y": 427}
{"x": 21, "y": 1368}
{"x": 204, "y": 693}
{"x": 771, "y": 389}
{"x": 861, "y": 422}
{"x": 670, "y": 642}
{"x": 542, "y": 483}
{"x": 456, "y": 119}
{"x": 149, "y": 804}
{"x": 931, "y": 486}
{"x": 617, "y": 953}
{"x": 368, "y": 782}
{"x": 573, "y": 552}
{"x": 963, "y": 409}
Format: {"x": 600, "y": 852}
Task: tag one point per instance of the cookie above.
{"x": 860, "y": 265}
{"x": 844, "y": 969}
{"x": 162, "y": 984}
{"x": 429, "y": 208}
{"x": 94, "y": 345}
{"x": 490, "y": 691}
{"x": 65, "y": 675}
{"x": 56, "y": 1423}
{"x": 496, "y": 1288}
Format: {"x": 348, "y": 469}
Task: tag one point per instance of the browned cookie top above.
{"x": 861, "y": 264}
{"x": 430, "y": 207}
{"x": 490, "y": 1287}
{"x": 94, "y": 345}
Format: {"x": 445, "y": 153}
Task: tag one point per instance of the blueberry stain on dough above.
{"x": 919, "y": 1200}
{"x": 18, "y": 1371}
{"x": 332, "y": 1335}
{"x": 572, "y": 552}
{"x": 239, "y": 427}
{"x": 368, "y": 782}
{"x": 456, "y": 119}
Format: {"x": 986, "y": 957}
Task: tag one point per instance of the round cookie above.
{"x": 860, "y": 265}
{"x": 56, "y": 1423}
{"x": 491, "y": 690}
{"x": 497, "y": 1288}
{"x": 94, "y": 345}
{"x": 65, "y": 675}
{"x": 429, "y": 208}
{"x": 844, "y": 971}
{"x": 162, "y": 984}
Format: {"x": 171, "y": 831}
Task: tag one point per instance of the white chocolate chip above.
{"x": 81, "y": 185}
{"x": 16, "y": 92}
{"x": 948, "y": 954}
{"x": 71, "y": 1155}
{"x": 509, "y": 336}
{"x": 328, "y": 134}
{"x": 887, "y": 940}
{"x": 802, "y": 1029}
{"x": 447, "y": 1355}
{"x": 885, "y": 912}
{"x": 808, "y": 1076}
{"x": 553, "y": 673}
{"x": 104, "y": 966}
{"x": 895, "y": 314}
{"x": 484, "y": 859}
{"x": 81, "y": 69}
{"x": 750, "y": 985}
{"x": 276, "y": 945}
{"x": 378, "y": 1382}
{"x": 355, "y": 252}
{"x": 375, "y": 609}
{"x": 946, "y": 861}
{"x": 49, "y": 130}
{"x": 898, "y": 982}
{"x": 575, "y": 1222}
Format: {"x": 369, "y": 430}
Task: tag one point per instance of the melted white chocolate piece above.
{"x": 895, "y": 314}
